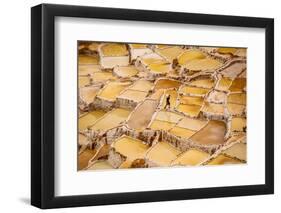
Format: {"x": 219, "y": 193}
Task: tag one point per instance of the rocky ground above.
{"x": 160, "y": 105}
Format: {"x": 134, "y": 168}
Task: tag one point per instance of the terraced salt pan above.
{"x": 222, "y": 159}
{"x": 162, "y": 154}
{"x": 238, "y": 85}
{"x": 125, "y": 71}
{"x": 113, "y": 54}
{"x": 88, "y": 69}
{"x": 206, "y": 64}
{"x": 190, "y": 110}
{"x": 237, "y": 150}
{"x": 234, "y": 69}
{"x": 190, "y": 55}
{"x": 196, "y": 91}
{"x": 164, "y": 83}
{"x": 211, "y": 134}
{"x": 170, "y": 53}
{"x": 134, "y": 95}
{"x": 191, "y": 157}
{"x": 138, "y": 50}
{"x": 233, "y": 51}
{"x": 238, "y": 124}
{"x": 192, "y": 124}
{"x": 84, "y": 81}
{"x": 162, "y": 67}
{"x": 165, "y": 120}
{"x": 88, "y": 119}
{"x": 100, "y": 165}
{"x": 224, "y": 84}
{"x": 111, "y": 119}
{"x": 237, "y": 98}
{"x": 140, "y": 118}
{"x": 213, "y": 108}
{"x": 207, "y": 83}
{"x": 102, "y": 77}
{"x": 181, "y": 132}
{"x": 236, "y": 109}
{"x": 112, "y": 90}
{"x": 217, "y": 97}
{"x": 130, "y": 147}
{"x": 85, "y": 59}
{"x": 114, "y": 49}
{"x": 88, "y": 94}
{"x": 142, "y": 85}
{"x": 191, "y": 100}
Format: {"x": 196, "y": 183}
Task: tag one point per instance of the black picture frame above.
{"x": 43, "y": 102}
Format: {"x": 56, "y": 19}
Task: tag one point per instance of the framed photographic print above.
{"x": 139, "y": 106}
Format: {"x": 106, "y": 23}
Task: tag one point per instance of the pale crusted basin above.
{"x": 237, "y": 150}
{"x": 112, "y": 90}
{"x": 206, "y": 64}
{"x": 212, "y": 134}
{"x": 141, "y": 117}
{"x": 111, "y": 119}
{"x": 130, "y": 147}
{"x": 162, "y": 154}
{"x": 142, "y": 85}
{"x": 223, "y": 159}
{"x": 191, "y": 157}
{"x": 170, "y": 53}
{"x": 88, "y": 119}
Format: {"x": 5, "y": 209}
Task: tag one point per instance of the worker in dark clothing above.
{"x": 168, "y": 103}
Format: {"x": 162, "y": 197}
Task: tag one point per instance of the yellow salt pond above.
{"x": 227, "y": 50}
{"x": 191, "y": 157}
{"x": 88, "y": 69}
{"x": 192, "y": 100}
{"x": 162, "y": 154}
{"x": 161, "y": 125}
{"x": 190, "y": 55}
{"x": 111, "y": 119}
{"x": 194, "y": 90}
{"x": 236, "y": 109}
{"x": 237, "y": 98}
{"x": 130, "y": 147}
{"x": 191, "y": 110}
{"x": 102, "y": 76}
{"x": 112, "y": 90}
{"x": 222, "y": 159}
{"x": 159, "y": 67}
{"x": 181, "y": 132}
{"x": 213, "y": 108}
{"x": 238, "y": 85}
{"x": 192, "y": 124}
{"x": 134, "y": 95}
{"x": 166, "y": 84}
{"x": 142, "y": 85}
{"x": 224, "y": 84}
{"x": 89, "y": 119}
{"x": 170, "y": 53}
{"x": 206, "y": 64}
{"x": 168, "y": 116}
{"x": 83, "y": 81}
{"x": 238, "y": 124}
{"x": 139, "y": 46}
{"x": 125, "y": 71}
{"x": 237, "y": 150}
{"x": 85, "y": 59}
{"x": 211, "y": 134}
{"x": 114, "y": 49}
{"x": 100, "y": 164}
{"x": 204, "y": 83}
